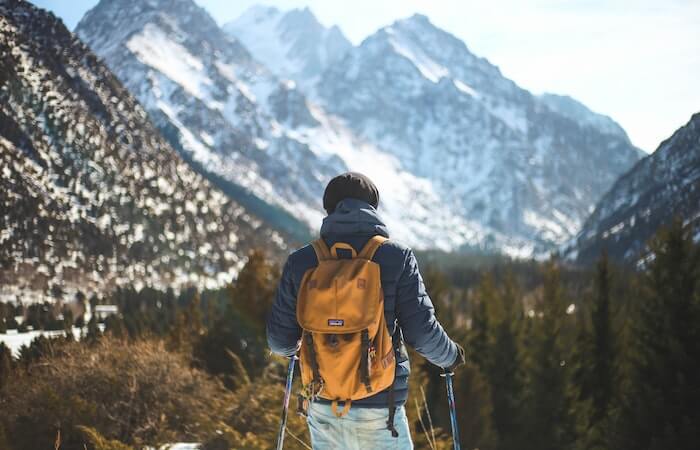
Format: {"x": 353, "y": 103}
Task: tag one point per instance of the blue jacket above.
{"x": 407, "y": 307}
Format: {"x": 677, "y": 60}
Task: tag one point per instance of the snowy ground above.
{"x": 181, "y": 446}
{"x": 15, "y": 341}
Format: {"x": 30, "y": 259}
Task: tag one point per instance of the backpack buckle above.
{"x": 312, "y": 390}
{"x": 372, "y": 351}
{"x": 332, "y": 340}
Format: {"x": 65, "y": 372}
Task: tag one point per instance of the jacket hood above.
{"x": 353, "y": 217}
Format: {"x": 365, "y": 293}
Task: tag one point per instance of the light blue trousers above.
{"x": 359, "y": 429}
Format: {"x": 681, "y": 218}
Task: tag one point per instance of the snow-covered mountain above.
{"x": 294, "y": 45}
{"x": 236, "y": 121}
{"x": 663, "y": 186}
{"x": 91, "y": 196}
{"x": 528, "y": 167}
{"x": 579, "y": 113}
{"x": 463, "y": 157}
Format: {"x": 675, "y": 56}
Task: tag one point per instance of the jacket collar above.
{"x": 353, "y": 217}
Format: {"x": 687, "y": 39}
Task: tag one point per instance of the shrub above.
{"x": 138, "y": 394}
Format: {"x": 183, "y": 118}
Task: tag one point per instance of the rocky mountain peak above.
{"x": 293, "y": 44}
{"x": 467, "y": 158}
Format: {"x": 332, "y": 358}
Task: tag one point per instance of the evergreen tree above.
{"x": 177, "y": 335}
{"x": 81, "y": 300}
{"x": 503, "y": 364}
{"x": 593, "y": 362}
{"x": 93, "y": 331}
{"x": 194, "y": 315}
{"x": 603, "y": 343}
{"x": 114, "y": 325}
{"x": 659, "y": 408}
{"x": 6, "y": 365}
{"x": 254, "y": 289}
{"x": 67, "y": 319}
{"x": 549, "y": 425}
{"x": 479, "y": 332}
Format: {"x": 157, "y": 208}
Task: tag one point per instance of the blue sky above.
{"x": 637, "y": 61}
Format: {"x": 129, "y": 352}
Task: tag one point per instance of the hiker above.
{"x": 354, "y": 364}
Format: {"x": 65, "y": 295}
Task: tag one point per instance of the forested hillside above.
{"x": 91, "y": 196}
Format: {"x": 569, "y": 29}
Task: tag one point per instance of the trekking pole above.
{"x": 453, "y": 409}
{"x": 285, "y": 406}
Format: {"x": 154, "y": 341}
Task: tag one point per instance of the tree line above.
{"x": 559, "y": 357}
{"x": 563, "y": 358}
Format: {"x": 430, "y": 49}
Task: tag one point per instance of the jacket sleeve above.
{"x": 416, "y": 317}
{"x": 283, "y": 331}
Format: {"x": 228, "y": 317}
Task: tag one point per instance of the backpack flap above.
{"x": 340, "y": 296}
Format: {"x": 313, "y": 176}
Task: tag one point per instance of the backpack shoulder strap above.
{"x": 321, "y": 249}
{"x": 372, "y": 246}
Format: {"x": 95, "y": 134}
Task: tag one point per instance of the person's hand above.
{"x": 459, "y": 361}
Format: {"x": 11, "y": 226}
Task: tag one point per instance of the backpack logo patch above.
{"x": 336, "y": 322}
{"x": 361, "y": 283}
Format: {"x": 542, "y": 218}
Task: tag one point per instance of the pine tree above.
{"x": 593, "y": 362}
{"x": 114, "y": 325}
{"x": 194, "y": 315}
{"x": 6, "y": 365}
{"x": 253, "y": 291}
{"x": 503, "y": 364}
{"x": 93, "y": 331}
{"x": 177, "y": 336}
{"x": 479, "y": 332}
{"x": 67, "y": 319}
{"x": 604, "y": 343}
{"x": 659, "y": 408}
{"x": 549, "y": 425}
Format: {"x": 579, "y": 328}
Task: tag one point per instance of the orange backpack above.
{"x": 346, "y": 351}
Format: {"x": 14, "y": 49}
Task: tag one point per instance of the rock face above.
{"x": 292, "y": 44}
{"x": 663, "y": 186}
{"x": 91, "y": 195}
{"x": 464, "y": 158}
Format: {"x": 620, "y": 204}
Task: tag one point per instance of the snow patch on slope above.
{"x": 153, "y": 48}
{"x": 426, "y": 65}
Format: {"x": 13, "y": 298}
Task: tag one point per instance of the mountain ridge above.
{"x": 92, "y": 196}
{"x": 663, "y": 186}
{"x": 464, "y": 156}
{"x": 261, "y": 133}
{"x": 418, "y": 92}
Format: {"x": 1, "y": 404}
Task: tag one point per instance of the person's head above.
{"x": 350, "y": 185}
